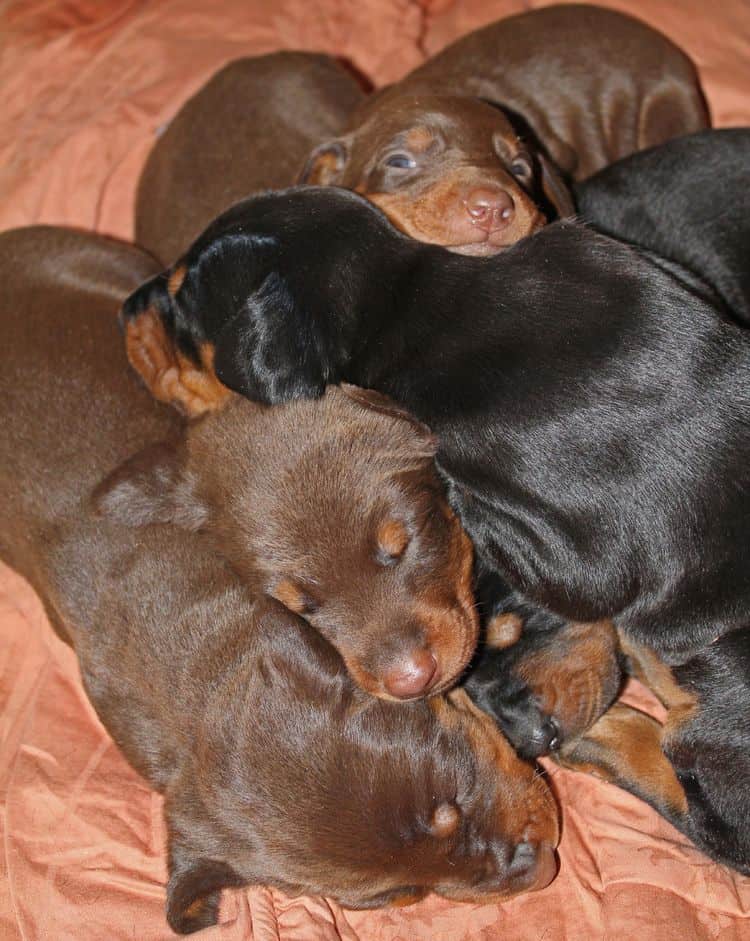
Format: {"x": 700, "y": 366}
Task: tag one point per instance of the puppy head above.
{"x": 334, "y": 508}
{"x": 445, "y": 170}
{"x": 244, "y": 309}
{"x": 301, "y": 781}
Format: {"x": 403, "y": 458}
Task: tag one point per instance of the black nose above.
{"x": 533, "y": 865}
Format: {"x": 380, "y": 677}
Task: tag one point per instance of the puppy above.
{"x": 250, "y": 127}
{"x": 550, "y": 685}
{"x": 332, "y": 507}
{"x": 594, "y": 85}
{"x": 276, "y": 768}
{"x": 444, "y": 169}
{"x": 335, "y": 509}
{"x": 685, "y": 200}
{"x": 589, "y": 400}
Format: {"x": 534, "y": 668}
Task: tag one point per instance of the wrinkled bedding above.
{"x": 84, "y": 87}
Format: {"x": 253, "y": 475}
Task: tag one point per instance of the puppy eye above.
{"x": 295, "y": 598}
{"x": 400, "y": 162}
{"x": 392, "y": 540}
{"x": 521, "y": 166}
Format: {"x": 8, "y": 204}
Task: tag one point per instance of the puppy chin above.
{"x": 477, "y": 249}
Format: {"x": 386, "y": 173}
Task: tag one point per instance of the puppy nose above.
{"x": 490, "y": 209}
{"x": 534, "y": 864}
{"x": 412, "y": 676}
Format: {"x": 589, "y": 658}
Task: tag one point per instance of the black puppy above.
{"x": 590, "y": 400}
{"x": 542, "y": 678}
{"x": 686, "y": 200}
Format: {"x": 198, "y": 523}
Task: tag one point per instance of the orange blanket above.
{"x": 84, "y": 85}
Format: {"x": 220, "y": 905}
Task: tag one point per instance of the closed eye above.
{"x": 521, "y": 167}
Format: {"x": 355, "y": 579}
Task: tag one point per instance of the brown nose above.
{"x": 413, "y": 675}
{"x": 490, "y": 209}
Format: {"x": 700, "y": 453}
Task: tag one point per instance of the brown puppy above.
{"x": 594, "y": 85}
{"x": 333, "y": 507}
{"x": 249, "y": 128}
{"x": 581, "y": 85}
{"x": 444, "y": 169}
{"x": 276, "y": 768}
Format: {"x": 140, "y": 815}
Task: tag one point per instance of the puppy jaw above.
{"x": 578, "y": 679}
{"x": 169, "y": 374}
{"x": 518, "y": 810}
{"x": 441, "y": 623}
{"x": 440, "y": 213}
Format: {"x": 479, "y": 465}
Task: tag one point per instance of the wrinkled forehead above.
{"x": 422, "y": 123}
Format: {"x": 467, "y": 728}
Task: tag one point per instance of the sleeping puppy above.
{"x": 333, "y": 507}
{"x": 276, "y": 768}
{"x": 588, "y": 399}
{"x": 447, "y": 170}
{"x": 594, "y": 85}
{"x": 543, "y": 679}
{"x": 686, "y": 200}
{"x": 334, "y": 792}
{"x": 550, "y": 686}
{"x": 472, "y": 149}
{"x": 249, "y": 128}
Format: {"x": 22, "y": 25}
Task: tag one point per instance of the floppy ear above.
{"x": 175, "y": 368}
{"x": 555, "y": 189}
{"x": 325, "y": 165}
{"x": 151, "y": 487}
{"x": 272, "y": 351}
{"x": 377, "y": 402}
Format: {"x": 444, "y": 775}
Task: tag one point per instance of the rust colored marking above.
{"x": 503, "y": 631}
{"x": 291, "y": 596}
{"x": 324, "y": 169}
{"x": 393, "y": 538}
{"x": 175, "y": 280}
{"x": 436, "y": 213}
{"x": 408, "y": 898}
{"x": 577, "y": 678}
{"x": 445, "y": 820}
{"x": 654, "y": 673}
{"x": 196, "y": 908}
{"x": 169, "y": 375}
{"x": 419, "y": 139}
{"x": 625, "y": 748}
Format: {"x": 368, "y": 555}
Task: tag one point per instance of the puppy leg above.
{"x": 195, "y": 879}
{"x": 624, "y": 747}
{"x": 693, "y": 773}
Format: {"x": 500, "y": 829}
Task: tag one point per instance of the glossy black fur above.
{"x": 711, "y": 751}
{"x": 590, "y": 399}
{"x": 688, "y": 200}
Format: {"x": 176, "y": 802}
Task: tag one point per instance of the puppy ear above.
{"x": 555, "y": 188}
{"x": 194, "y": 889}
{"x": 175, "y": 368}
{"x": 151, "y": 487}
{"x": 325, "y": 165}
{"x": 272, "y": 351}
{"x": 377, "y": 402}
